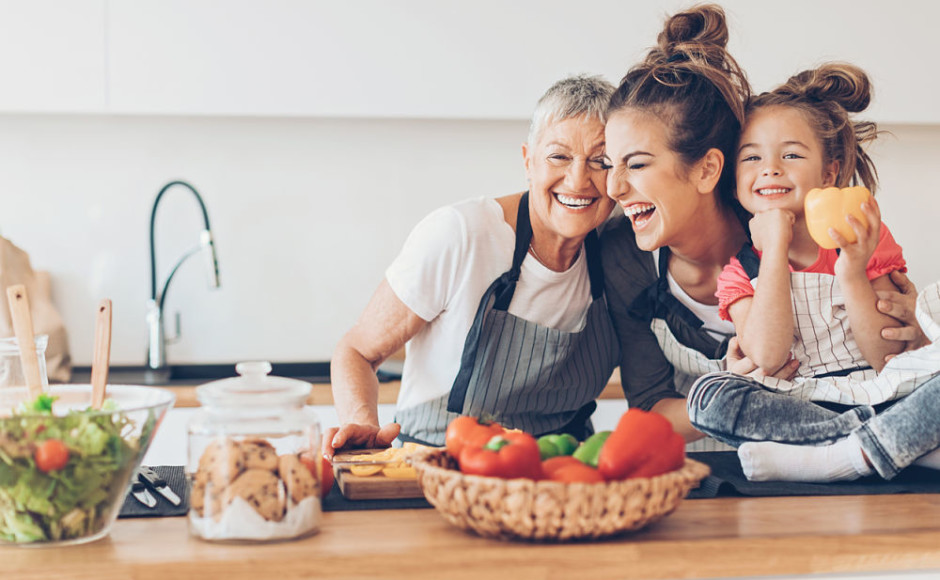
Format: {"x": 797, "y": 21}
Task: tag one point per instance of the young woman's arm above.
{"x": 764, "y": 323}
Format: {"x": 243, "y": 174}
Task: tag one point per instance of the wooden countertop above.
{"x": 321, "y": 393}
{"x": 703, "y": 538}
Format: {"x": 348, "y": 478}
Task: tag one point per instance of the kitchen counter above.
{"x": 184, "y": 386}
{"x": 703, "y": 538}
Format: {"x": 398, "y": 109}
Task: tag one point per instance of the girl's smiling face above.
{"x": 649, "y": 181}
{"x": 780, "y": 160}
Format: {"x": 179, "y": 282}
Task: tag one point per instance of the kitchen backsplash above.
{"x": 306, "y": 213}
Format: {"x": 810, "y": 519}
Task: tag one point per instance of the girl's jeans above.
{"x": 736, "y": 409}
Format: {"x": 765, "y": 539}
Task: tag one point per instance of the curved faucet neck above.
{"x": 153, "y": 218}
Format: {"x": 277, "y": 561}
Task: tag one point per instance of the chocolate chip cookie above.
{"x": 259, "y": 454}
{"x": 262, "y": 490}
{"x": 297, "y": 478}
{"x": 222, "y": 461}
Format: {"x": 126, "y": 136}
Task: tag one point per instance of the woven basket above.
{"x": 524, "y": 509}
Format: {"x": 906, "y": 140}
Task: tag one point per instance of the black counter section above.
{"x": 197, "y": 374}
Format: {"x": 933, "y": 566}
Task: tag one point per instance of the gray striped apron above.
{"x": 833, "y": 369}
{"x": 690, "y": 350}
{"x": 525, "y": 375}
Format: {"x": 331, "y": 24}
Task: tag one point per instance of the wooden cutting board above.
{"x": 376, "y": 487}
{"x": 372, "y": 486}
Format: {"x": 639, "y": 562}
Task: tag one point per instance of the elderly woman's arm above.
{"x": 385, "y": 326}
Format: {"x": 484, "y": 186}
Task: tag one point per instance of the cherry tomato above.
{"x": 51, "y": 455}
{"x": 322, "y": 470}
{"x": 468, "y": 431}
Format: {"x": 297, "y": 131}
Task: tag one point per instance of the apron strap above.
{"x": 523, "y": 239}
{"x": 749, "y": 260}
{"x": 658, "y": 302}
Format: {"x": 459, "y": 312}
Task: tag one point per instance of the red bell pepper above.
{"x": 643, "y": 445}
{"x": 510, "y": 455}
{"x": 464, "y": 431}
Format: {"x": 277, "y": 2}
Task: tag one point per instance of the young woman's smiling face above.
{"x": 779, "y": 160}
{"x": 648, "y": 180}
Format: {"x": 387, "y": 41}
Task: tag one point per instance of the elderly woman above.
{"x": 499, "y": 302}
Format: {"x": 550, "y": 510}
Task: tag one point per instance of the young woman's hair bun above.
{"x": 700, "y": 26}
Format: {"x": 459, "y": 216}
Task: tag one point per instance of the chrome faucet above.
{"x": 157, "y": 370}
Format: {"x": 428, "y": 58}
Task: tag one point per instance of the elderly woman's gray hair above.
{"x": 571, "y": 97}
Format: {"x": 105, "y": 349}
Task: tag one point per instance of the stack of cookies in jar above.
{"x": 245, "y": 490}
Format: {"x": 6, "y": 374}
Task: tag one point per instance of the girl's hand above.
{"x": 738, "y": 363}
{"x": 772, "y": 227}
{"x": 855, "y": 256}
{"x": 900, "y": 306}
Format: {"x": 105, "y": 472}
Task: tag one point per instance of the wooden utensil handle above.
{"x": 23, "y": 328}
{"x": 102, "y": 355}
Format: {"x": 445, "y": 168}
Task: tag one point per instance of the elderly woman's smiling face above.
{"x": 567, "y": 177}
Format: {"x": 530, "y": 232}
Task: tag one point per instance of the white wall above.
{"x": 306, "y": 214}
{"x": 308, "y": 210}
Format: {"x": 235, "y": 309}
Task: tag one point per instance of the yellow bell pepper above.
{"x": 828, "y": 208}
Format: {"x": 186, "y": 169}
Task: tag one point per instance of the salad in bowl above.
{"x": 65, "y": 467}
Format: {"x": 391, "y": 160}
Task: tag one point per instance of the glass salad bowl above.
{"x": 64, "y": 467}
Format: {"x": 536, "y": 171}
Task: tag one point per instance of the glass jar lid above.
{"x": 254, "y": 388}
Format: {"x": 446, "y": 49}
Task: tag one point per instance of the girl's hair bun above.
{"x": 842, "y": 83}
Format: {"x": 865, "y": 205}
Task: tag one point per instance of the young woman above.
{"x": 672, "y": 134}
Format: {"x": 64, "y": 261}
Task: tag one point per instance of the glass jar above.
{"x": 253, "y": 449}
{"x": 11, "y": 369}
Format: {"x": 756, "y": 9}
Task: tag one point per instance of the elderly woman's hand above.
{"x": 353, "y": 436}
{"x": 900, "y": 305}
{"x": 739, "y": 363}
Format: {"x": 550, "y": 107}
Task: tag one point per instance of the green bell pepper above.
{"x": 556, "y": 444}
{"x": 589, "y": 451}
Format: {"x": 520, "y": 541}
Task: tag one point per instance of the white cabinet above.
{"x": 489, "y": 59}
{"x": 52, "y": 56}
{"x": 364, "y": 58}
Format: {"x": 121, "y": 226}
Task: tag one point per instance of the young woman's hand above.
{"x": 772, "y": 228}
{"x": 900, "y": 305}
{"x": 854, "y": 257}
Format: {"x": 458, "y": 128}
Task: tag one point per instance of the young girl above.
{"x": 812, "y": 304}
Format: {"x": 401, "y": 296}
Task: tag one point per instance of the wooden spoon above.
{"x": 23, "y": 328}
{"x": 102, "y": 357}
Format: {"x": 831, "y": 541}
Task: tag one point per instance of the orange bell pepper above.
{"x": 828, "y": 208}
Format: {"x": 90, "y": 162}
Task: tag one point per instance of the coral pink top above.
{"x": 734, "y": 283}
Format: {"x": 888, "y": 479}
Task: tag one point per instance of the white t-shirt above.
{"x": 447, "y": 263}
